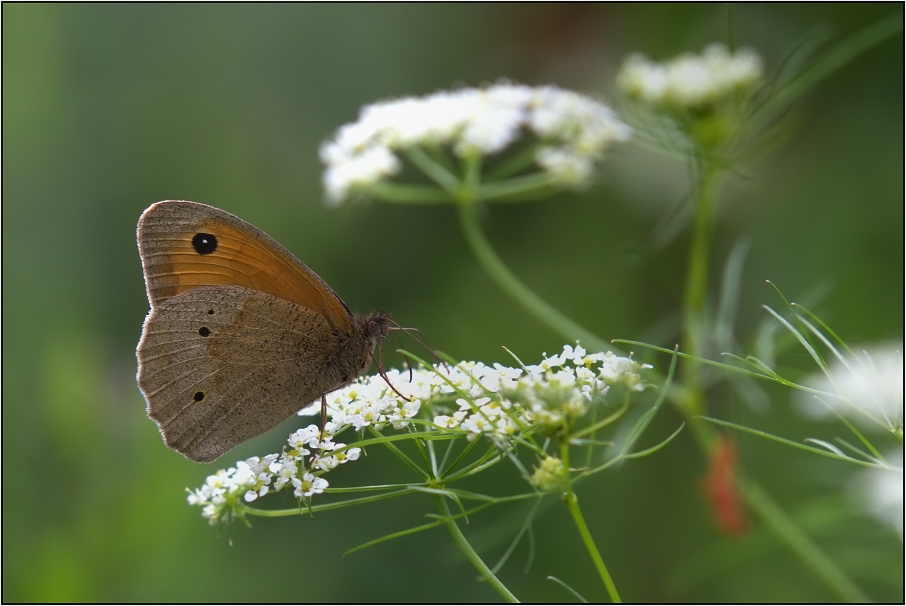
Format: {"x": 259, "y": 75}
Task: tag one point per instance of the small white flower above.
{"x": 327, "y": 463}
{"x": 285, "y": 475}
{"x": 309, "y": 485}
{"x": 349, "y": 455}
{"x": 307, "y": 436}
{"x": 210, "y": 512}
{"x": 197, "y": 497}
{"x": 446, "y": 422}
{"x": 398, "y": 417}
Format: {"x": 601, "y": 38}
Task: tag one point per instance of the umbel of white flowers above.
{"x": 575, "y": 131}
{"x": 690, "y": 81}
{"x": 497, "y": 402}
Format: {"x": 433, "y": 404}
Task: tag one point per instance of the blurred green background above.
{"x": 108, "y": 108}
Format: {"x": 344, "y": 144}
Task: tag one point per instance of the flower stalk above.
{"x": 572, "y": 503}
{"x": 459, "y": 538}
{"x": 695, "y": 325}
{"x": 506, "y": 280}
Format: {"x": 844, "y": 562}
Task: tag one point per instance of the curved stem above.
{"x": 516, "y": 186}
{"x": 411, "y": 194}
{"x": 694, "y": 322}
{"x": 572, "y": 503}
{"x": 504, "y": 278}
{"x": 800, "y": 543}
{"x": 470, "y": 553}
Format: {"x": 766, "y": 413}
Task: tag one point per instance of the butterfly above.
{"x": 241, "y": 334}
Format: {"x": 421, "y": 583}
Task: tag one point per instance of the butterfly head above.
{"x": 375, "y": 327}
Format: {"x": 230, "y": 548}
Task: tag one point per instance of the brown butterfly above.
{"x": 241, "y": 334}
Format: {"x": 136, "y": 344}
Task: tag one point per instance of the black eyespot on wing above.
{"x": 204, "y": 244}
{"x": 199, "y": 396}
{"x": 204, "y": 331}
{"x": 210, "y": 312}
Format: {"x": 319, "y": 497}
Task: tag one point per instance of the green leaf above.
{"x": 653, "y": 449}
{"x": 819, "y": 451}
{"x": 568, "y": 588}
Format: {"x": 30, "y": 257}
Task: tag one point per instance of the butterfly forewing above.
{"x": 185, "y": 245}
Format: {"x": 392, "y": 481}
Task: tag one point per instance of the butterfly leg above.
{"x": 323, "y": 416}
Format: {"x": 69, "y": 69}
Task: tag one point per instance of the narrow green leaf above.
{"x": 826, "y": 328}
{"x": 526, "y": 527}
{"x": 394, "y": 535}
{"x": 568, "y": 588}
{"x": 829, "y": 447}
{"x": 278, "y": 513}
{"x": 653, "y": 449}
{"x": 819, "y": 451}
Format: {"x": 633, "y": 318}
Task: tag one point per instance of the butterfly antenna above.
{"x": 383, "y": 374}
{"x": 421, "y": 341}
{"x": 405, "y": 357}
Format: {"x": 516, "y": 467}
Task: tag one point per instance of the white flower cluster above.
{"x": 576, "y": 128}
{"x": 690, "y": 81}
{"x": 545, "y": 395}
{"x": 498, "y": 402}
{"x": 869, "y": 386}
{"x": 256, "y": 476}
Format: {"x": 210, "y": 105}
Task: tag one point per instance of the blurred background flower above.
{"x": 691, "y": 81}
{"x": 880, "y": 492}
{"x": 866, "y": 387}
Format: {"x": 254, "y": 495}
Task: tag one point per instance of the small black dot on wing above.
{"x": 204, "y": 244}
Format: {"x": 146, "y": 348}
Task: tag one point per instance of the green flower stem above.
{"x": 436, "y": 172}
{"x": 695, "y": 330}
{"x": 516, "y": 187}
{"x": 495, "y": 268}
{"x": 516, "y": 163}
{"x": 799, "y": 542}
{"x": 410, "y": 194}
{"x": 694, "y": 323}
{"x": 470, "y": 553}
{"x": 572, "y": 503}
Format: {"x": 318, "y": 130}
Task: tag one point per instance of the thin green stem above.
{"x": 410, "y": 194}
{"x": 695, "y": 326}
{"x": 515, "y": 187}
{"x": 695, "y": 332}
{"x": 799, "y": 542}
{"x": 516, "y": 163}
{"x": 495, "y": 268}
{"x": 435, "y": 171}
{"x": 572, "y": 503}
{"x": 470, "y": 553}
